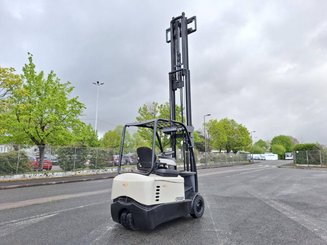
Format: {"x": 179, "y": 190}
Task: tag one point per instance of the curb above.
{"x": 305, "y": 167}
{"x": 54, "y": 182}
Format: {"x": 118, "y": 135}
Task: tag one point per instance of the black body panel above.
{"x": 148, "y": 217}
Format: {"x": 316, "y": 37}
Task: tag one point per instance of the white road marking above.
{"x": 212, "y": 220}
{"x": 12, "y": 226}
{"x": 308, "y": 222}
{"x": 10, "y": 205}
{"x": 50, "y": 213}
{"x": 248, "y": 172}
{"x": 243, "y": 171}
{"x": 98, "y": 234}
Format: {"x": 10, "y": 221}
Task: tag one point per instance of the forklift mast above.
{"x": 179, "y": 76}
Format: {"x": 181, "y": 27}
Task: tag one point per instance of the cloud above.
{"x": 262, "y": 63}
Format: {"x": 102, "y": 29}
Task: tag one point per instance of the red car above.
{"x": 47, "y": 164}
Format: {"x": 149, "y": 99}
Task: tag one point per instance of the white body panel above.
{"x": 148, "y": 190}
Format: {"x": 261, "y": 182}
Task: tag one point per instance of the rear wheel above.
{"x": 197, "y": 208}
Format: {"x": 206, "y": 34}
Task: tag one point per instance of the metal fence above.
{"x": 313, "y": 157}
{"x": 24, "y": 159}
{"x": 222, "y": 159}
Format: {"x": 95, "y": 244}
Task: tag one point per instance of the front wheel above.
{"x": 197, "y": 208}
{"x": 127, "y": 220}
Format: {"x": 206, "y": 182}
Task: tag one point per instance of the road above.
{"x": 252, "y": 204}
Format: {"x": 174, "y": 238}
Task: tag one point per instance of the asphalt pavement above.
{"x": 252, "y": 204}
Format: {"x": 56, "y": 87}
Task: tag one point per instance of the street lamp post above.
{"x": 205, "y": 137}
{"x": 98, "y": 84}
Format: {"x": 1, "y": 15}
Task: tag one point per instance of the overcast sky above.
{"x": 262, "y": 63}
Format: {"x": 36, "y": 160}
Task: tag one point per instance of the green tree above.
{"x": 294, "y": 140}
{"x": 139, "y": 141}
{"x": 279, "y": 150}
{"x": 199, "y": 141}
{"x": 283, "y": 140}
{"x": 307, "y": 147}
{"x": 217, "y": 134}
{"x": 242, "y": 139}
{"x": 228, "y": 135}
{"x": 155, "y": 110}
{"x": 84, "y": 136}
{"x": 40, "y": 111}
{"x": 262, "y": 144}
{"x": 9, "y": 80}
{"x": 256, "y": 149}
{"x": 112, "y": 139}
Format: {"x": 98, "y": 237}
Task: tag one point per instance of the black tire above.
{"x": 130, "y": 222}
{"x": 122, "y": 218}
{"x": 126, "y": 219}
{"x": 197, "y": 208}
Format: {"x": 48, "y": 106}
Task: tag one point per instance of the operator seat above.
{"x": 145, "y": 158}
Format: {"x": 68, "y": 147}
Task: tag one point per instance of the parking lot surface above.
{"x": 252, "y": 204}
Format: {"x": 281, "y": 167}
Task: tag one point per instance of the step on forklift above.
{"x": 164, "y": 184}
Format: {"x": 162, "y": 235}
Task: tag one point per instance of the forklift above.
{"x": 164, "y": 184}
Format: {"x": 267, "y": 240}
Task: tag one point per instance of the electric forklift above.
{"x": 164, "y": 184}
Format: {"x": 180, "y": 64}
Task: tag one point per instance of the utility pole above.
{"x": 205, "y": 138}
{"x": 98, "y": 84}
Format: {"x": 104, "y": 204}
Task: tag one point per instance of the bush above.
{"x": 8, "y": 162}
{"x": 279, "y": 150}
{"x": 306, "y": 147}
{"x": 71, "y": 157}
{"x": 100, "y": 158}
{"x": 308, "y": 154}
{"x": 255, "y": 149}
{"x": 309, "y": 157}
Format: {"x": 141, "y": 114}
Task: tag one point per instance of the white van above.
{"x": 289, "y": 156}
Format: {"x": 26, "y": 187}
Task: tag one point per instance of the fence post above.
{"x": 18, "y": 158}
{"x": 96, "y": 159}
{"x": 74, "y": 158}
{"x": 320, "y": 158}
{"x": 306, "y": 152}
{"x": 294, "y": 157}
